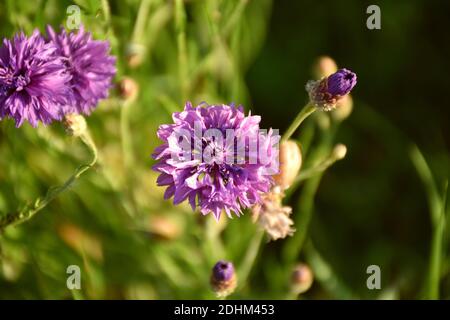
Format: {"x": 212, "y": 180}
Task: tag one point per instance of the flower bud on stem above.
{"x": 301, "y": 279}
{"x": 223, "y": 279}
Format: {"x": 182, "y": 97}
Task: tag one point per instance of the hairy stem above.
{"x": 18, "y": 217}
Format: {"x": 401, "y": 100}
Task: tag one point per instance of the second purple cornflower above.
{"x": 89, "y": 63}
{"x": 215, "y": 174}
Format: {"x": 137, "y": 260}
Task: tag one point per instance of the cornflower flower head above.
{"x": 216, "y": 158}
{"x": 33, "y": 80}
{"x": 89, "y": 63}
{"x": 326, "y": 93}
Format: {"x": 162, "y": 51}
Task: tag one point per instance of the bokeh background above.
{"x": 373, "y": 207}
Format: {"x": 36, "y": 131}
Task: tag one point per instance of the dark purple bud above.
{"x": 223, "y": 278}
{"x": 341, "y": 82}
{"x": 325, "y": 93}
{"x": 223, "y": 271}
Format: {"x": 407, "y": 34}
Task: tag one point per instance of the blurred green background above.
{"x": 373, "y": 207}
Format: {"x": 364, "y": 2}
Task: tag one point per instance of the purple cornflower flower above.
{"x": 223, "y": 278}
{"x": 212, "y": 173}
{"x": 33, "y": 80}
{"x": 90, "y": 65}
{"x": 325, "y": 93}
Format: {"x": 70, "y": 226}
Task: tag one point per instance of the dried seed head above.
{"x": 273, "y": 216}
{"x": 302, "y": 278}
{"x": 75, "y": 124}
{"x": 223, "y": 278}
{"x": 324, "y": 66}
{"x": 290, "y": 164}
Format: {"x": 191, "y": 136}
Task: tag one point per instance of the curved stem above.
{"x": 302, "y": 115}
{"x": 250, "y": 257}
{"x": 28, "y": 212}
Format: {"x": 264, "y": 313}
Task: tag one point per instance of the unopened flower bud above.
{"x": 75, "y": 124}
{"x": 135, "y": 54}
{"x": 302, "y": 278}
{"x": 128, "y": 88}
{"x": 339, "y": 151}
{"x": 326, "y": 93}
{"x": 223, "y": 278}
{"x": 290, "y": 164}
{"x": 324, "y": 66}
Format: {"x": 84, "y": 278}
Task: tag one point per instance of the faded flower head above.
{"x": 325, "y": 93}
{"x": 90, "y": 65}
{"x": 33, "y": 80}
{"x": 272, "y": 216}
{"x": 217, "y": 158}
{"x": 223, "y": 278}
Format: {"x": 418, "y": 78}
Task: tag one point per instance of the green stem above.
{"x": 302, "y": 220}
{"x": 437, "y": 205}
{"x": 303, "y": 114}
{"x": 213, "y": 248}
{"x": 127, "y": 156}
{"x": 428, "y": 181}
{"x": 180, "y": 24}
{"x": 139, "y": 26}
{"x": 235, "y": 16}
{"x": 106, "y": 11}
{"x": 325, "y": 275}
{"x": 435, "y": 259}
{"x": 127, "y": 146}
{"x": 250, "y": 257}
{"x": 28, "y": 212}
{"x": 320, "y": 168}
